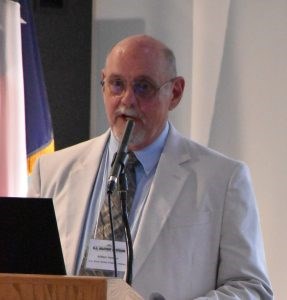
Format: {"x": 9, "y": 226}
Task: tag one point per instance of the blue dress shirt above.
{"x": 148, "y": 158}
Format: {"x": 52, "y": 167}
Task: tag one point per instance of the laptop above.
{"x": 29, "y": 237}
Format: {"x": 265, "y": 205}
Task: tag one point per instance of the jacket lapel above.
{"x": 165, "y": 190}
{"x": 81, "y": 184}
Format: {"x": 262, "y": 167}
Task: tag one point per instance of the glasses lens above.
{"x": 144, "y": 89}
{"x": 116, "y": 86}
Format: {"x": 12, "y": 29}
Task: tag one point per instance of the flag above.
{"x": 39, "y": 133}
{"x": 13, "y": 166}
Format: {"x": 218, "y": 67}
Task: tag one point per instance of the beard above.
{"x": 137, "y": 137}
{"x": 138, "y": 133}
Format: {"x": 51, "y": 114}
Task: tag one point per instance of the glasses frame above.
{"x": 132, "y": 84}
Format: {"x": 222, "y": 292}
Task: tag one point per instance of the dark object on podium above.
{"x": 29, "y": 237}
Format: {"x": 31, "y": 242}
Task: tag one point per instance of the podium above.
{"x": 50, "y": 287}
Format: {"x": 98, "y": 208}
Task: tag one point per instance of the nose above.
{"x": 129, "y": 98}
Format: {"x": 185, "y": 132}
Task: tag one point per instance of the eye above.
{"x": 117, "y": 86}
{"x": 144, "y": 88}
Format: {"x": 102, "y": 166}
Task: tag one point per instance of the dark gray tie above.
{"x": 104, "y": 227}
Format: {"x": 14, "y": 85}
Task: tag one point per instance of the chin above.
{"x": 137, "y": 140}
{"x": 118, "y": 129}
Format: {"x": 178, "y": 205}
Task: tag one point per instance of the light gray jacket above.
{"x": 199, "y": 235}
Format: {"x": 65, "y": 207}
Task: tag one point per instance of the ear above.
{"x": 177, "y": 91}
{"x": 103, "y": 77}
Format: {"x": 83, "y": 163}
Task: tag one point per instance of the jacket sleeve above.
{"x": 35, "y": 181}
{"x": 242, "y": 269}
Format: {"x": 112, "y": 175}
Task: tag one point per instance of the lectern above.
{"x": 50, "y": 287}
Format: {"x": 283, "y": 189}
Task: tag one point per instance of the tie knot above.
{"x": 132, "y": 160}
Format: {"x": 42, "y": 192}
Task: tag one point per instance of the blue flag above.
{"x": 39, "y": 133}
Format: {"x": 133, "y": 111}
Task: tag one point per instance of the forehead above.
{"x": 136, "y": 60}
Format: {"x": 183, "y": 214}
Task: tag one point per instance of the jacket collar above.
{"x": 166, "y": 188}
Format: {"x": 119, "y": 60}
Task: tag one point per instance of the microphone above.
{"x": 156, "y": 296}
{"x": 120, "y": 158}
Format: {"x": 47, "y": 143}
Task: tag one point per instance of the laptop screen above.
{"x": 29, "y": 238}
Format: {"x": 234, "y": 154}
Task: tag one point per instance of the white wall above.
{"x": 250, "y": 111}
{"x": 113, "y": 20}
{"x": 250, "y": 119}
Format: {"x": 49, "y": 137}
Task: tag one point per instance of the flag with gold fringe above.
{"x": 39, "y": 133}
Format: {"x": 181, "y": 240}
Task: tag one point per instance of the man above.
{"x": 194, "y": 220}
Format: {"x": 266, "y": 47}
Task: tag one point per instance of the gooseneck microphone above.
{"x": 120, "y": 158}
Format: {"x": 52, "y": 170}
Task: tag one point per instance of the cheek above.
{"x": 110, "y": 107}
{"x": 154, "y": 112}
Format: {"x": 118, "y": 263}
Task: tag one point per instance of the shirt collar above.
{"x": 149, "y": 156}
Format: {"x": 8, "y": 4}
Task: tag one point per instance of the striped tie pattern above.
{"x": 104, "y": 227}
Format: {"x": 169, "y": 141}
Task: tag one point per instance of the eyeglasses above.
{"x": 142, "y": 88}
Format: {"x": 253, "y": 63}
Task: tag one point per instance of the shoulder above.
{"x": 77, "y": 151}
{"x": 182, "y": 144}
{"x": 81, "y": 154}
{"x": 200, "y": 158}
{"x": 54, "y": 168}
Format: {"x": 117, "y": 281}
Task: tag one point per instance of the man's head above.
{"x": 140, "y": 82}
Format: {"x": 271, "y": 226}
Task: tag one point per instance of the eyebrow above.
{"x": 138, "y": 78}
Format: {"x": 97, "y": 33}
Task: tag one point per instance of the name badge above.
{"x": 100, "y": 255}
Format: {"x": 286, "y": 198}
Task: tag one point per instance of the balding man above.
{"x": 193, "y": 217}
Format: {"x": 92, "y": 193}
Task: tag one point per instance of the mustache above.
{"x": 128, "y": 112}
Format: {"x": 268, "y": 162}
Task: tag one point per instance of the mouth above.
{"x": 125, "y": 117}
